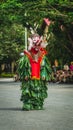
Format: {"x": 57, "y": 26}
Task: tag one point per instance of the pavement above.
{"x": 57, "y": 113}
{"x": 6, "y": 80}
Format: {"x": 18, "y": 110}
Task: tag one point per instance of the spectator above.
{"x": 56, "y": 64}
{"x": 71, "y": 66}
{"x": 66, "y": 67}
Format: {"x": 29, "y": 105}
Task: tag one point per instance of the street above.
{"x": 57, "y": 113}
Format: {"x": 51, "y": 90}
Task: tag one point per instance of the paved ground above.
{"x": 57, "y": 113}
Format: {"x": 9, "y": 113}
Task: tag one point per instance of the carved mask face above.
{"x": 34, "y": 43}
{"x": 35, "y": 39}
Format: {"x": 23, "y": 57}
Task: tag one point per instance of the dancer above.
{"x": 35, "y": 71}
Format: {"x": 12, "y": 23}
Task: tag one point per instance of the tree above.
{"x": 58, "y": 11}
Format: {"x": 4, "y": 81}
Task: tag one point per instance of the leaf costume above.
{"x": 34, "y": 76}
{"x": 34, "y": 70}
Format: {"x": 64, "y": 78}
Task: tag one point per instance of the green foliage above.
{"x": 24, "y": 67}
{"x": 46, "y": 69}
{"x": 12, "y": 16}
{"x": 34, "y": 91}
{"x": 6, "y": 75}
{"x": 33, "y": 94}
{"x": 11, "y": 42}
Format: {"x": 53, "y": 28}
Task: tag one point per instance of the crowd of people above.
{"x": 64, "y": 75}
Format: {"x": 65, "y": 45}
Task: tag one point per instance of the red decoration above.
{"x": 35, "y": 69}
{"x": 35, "y": 65}
{"x": 47, "y": 21}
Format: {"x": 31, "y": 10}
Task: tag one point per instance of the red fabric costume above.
{"x": 35, "y": 65}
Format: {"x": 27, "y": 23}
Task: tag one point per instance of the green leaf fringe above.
{"x": 33, "y": 91}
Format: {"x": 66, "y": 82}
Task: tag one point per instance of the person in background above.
{"x": 71, "y": 67}
{"x": 66, "y": 67}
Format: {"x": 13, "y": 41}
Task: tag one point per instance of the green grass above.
{"x": 6, "y": 75}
